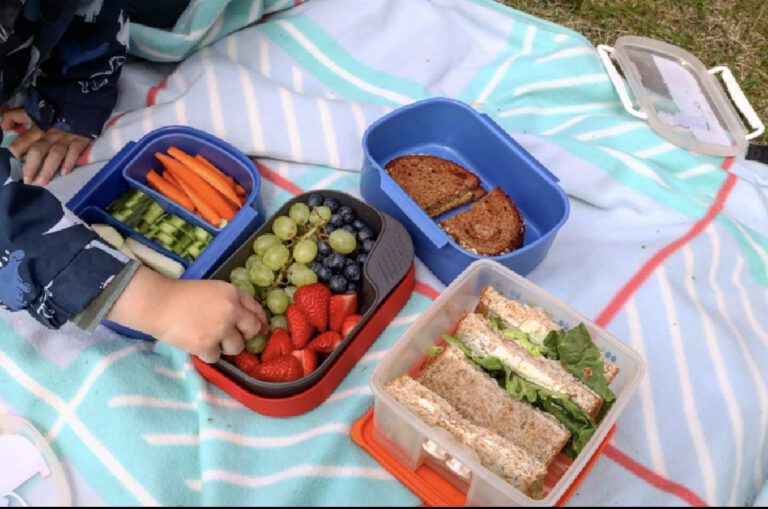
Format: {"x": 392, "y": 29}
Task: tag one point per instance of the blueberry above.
{"x": 368, "y": 245}
{"x": 329, "y": 228}
{"x": 348, "y": 217}
{"x": 349, "y": 228}
{"x": 323, "y": 248}
{"x": 336, "y": 220}
{"x": 324, "y": 273}
{"x": 352, "y": 272}
{"x": 359, "y": 224}
{"x": 345, "y": 210}
{"x": 352, "y": 288}
{"x": 315, "y": 266}
{"x": 334, "y": 261}
{"x": 365, "y": 234}
{"x": 361, "y": 258}
{"x": 314, "y": 200}
{"x": 319, "y": 259}
{"x": 331, "y": 204}
{"x": 338, "y": 284}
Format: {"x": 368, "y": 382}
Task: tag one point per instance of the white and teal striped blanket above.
{"x": 666, "y": 249}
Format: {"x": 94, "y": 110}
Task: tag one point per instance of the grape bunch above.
{"x": 319, "y": 240}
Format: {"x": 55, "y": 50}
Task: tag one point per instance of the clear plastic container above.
{"x": 37, "y": 478}
{"x": 415, "y": 443}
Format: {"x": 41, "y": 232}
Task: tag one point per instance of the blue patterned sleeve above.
{"x": 51, "y": 264}
{"x": 76, "y": 90}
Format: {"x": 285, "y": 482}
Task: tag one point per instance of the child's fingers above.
{"x": 249, "y": 324}
{"x": 13, "y": 117}
{"x": 76, "y": 148}
{"x": 232, "y": 344}
{"x": 21, "y": 145}
{"x": 52, "y": 163}
{"x": 34, "y": 159}
{"x": 254, "y": 307}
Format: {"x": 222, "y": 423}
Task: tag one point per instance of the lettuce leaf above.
{"x": 579, "y": 355}
{"x": 570, "y": 415}
{"x": 517, "y": 335}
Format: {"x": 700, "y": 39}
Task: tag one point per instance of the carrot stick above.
{"x": 204, "y": 191}
{"x": 214, "y": 177}
{"x": 167, "y": 175}
{"x": 205, "y": 211}
{"x": 232, "y": 182}
{"x": 169, "y": 190}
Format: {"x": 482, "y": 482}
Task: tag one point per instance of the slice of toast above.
{"x": 435, "y": 184}
{"x": 491, "y": 226}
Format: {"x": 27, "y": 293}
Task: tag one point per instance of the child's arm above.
{"x": 75, "y": 92}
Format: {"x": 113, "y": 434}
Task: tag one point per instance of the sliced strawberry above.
{"x": 325, "y": 342}
{"x": 348, "y": 324}
{"x": 299, "y": 327}
{"x": 342, "y": 306}
{"x": 246, "y": 362}
{"x": 278, "y": 344}
{"x": 313, "y": 300}
{"x": 281, "y": 369}
{"x": 308, "y": 359}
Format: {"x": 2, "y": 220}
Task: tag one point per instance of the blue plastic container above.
{"x": 453, "y": 130}
{"x": 128, "y": 170}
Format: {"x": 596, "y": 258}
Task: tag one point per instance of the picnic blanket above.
{"x": 666, "y": 249}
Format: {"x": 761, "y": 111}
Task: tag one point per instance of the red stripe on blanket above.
{"x": 278, "y": 179}
{"x": 621, "y": 298}
{"x": 653, "y": 478}
{"x": 427, "y": 290}
{"x": 152, "y": 93}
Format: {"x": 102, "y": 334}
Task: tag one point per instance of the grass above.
{"x": 733, "y": 33}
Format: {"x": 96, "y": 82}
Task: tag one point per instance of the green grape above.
{"x": 239, "y": 274}
{"x": 320, "y": 215}
{"x": 300, "y": 275}
{"x": 261, "y": 275}
{"x": 264, "y": 242}
{"x": 285, "y": 228}
{"x": 289, "y": 291}
{"x": 252, "y": 260}
{"x": 305, "y": 251}
{"x": 245, "y": 286}
{"x": 278, "y": 321}
{"x": 277, "y": 301}
{"x": 299, "y": 212}
{"x": 276, "y": 256}
{"x": 342, "y": 241}
{"x": 256, "y": 344}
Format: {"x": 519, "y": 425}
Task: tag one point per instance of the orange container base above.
{"x": 425, "y": 482}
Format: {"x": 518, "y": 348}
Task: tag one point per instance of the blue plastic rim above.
{"x": 128, "y": 170}
{"x": 453, "y": 130}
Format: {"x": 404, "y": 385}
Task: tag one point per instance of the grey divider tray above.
{"x": 386, "y": 266}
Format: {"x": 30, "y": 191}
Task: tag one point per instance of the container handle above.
{"x": 532, "y": 160}
{"x": 409, "y": 207}
{"x": 605, "y": 53}
{"x": 740, "y": 100}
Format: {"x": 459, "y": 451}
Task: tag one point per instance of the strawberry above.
{"x": 348, "y": 324}
{"x": 286, "y": 368}
{"x": 325, "y": 342}
{"x": 341, "y": 307}
{"x": 278, "y": 344}
{"x": 313, "y": 300}
{"x": 299, "y": 327}
{"x": 308, "y": 359}
{"x": 246, "y": 362}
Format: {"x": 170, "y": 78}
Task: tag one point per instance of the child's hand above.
{"x": 204, "y": 318}
{"x": 46, "y": 151}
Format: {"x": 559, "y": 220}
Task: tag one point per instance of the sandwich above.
{"x": 492, "y": 226}
{"x": 435, "y": 184}
{"x": 510, "y": 377}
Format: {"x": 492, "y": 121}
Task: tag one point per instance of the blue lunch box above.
{"x": 128, "y": 170}
{"x": 453, "y": 130}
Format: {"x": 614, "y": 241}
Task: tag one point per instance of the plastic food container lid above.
{"x": 30, "y": 474}
{"x": 682, "y": 100}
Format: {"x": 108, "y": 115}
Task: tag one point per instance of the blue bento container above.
{"x": 453, "y": 130}
{"x": 128, "y": 170}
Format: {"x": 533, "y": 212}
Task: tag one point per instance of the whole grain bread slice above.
{"x": 437, "y": 185}
{"x": 497, "y": 454}
{"x": 491, "y": 226}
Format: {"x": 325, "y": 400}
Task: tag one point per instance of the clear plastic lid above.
{"x": 30, "y": 474}
{"x": 682, "y": 100}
